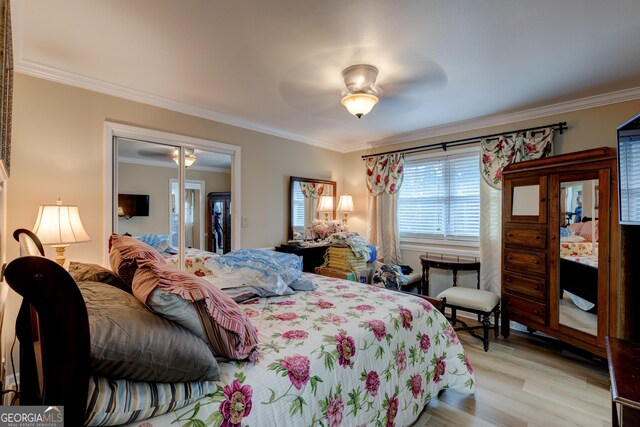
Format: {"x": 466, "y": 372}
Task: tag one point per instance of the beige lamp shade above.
{"x": 325, "y": 204}
{"x": 346, "y": 203}
{"x": 60, "y": 225}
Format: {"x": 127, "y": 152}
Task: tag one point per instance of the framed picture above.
{"x": 6, "y": 84}
{"x": 597, "y": 196}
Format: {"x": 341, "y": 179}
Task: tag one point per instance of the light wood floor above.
{"x": 526, "y": 380}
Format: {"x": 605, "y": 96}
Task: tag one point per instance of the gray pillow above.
{"x": 85, "y": 272}
{"x": 129, "y": 341}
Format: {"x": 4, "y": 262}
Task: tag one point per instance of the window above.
{"x": 440, "y": 198}
{"x": 298, "y": 208}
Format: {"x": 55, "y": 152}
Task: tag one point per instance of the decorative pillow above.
{"x": 129, "y": 341}
{"x": 159, "y": 242}
{"x": 115, "y": 402}
{"x": 228, "y": 331}
{"x": 239, "y": 291}
{"x": 85, "y": 272}
{"x": 586, "y": 231}
{"x": 575, "y": 227}
{"x": 125, "y": 251}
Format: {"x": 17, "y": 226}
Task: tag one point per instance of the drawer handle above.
{"x": 536, "y": 262}
{"x": 508, "y": 302}
{"x": 536, "y": 312}
{"x": 509, "y": 257}
{"x": 509, "y": 235}
{"x": 508, "y": 280}
{"x": 536, "y": 287}
{"x": 537, "y": 237}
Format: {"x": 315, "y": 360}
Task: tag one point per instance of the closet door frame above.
{"x": 117, "y": 130}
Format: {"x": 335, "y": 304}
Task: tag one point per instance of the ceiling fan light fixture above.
{"x": 359, "y": 104}
{"x": 189, "y": 159}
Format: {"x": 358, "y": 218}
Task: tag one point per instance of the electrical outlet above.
{"x": 244, "y": 222}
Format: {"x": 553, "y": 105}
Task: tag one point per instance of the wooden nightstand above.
{"x": 312, "y": 256}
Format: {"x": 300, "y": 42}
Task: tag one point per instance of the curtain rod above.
{"x": 561, "y": 126}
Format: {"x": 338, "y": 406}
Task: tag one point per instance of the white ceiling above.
{"x": 275, "y": 66}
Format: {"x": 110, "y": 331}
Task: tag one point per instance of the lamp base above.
{"x": 60, "y": 259}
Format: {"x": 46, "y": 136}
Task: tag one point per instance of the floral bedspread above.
{"x": 194, "y": 260}
{"x": 590, "y": 260}
{"x": 576, "y": 248}
{"x": 346, "y": 354}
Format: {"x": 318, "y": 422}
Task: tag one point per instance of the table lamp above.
{"x": 325, "y": 205}
{"x": 58, "y": 226}
{"x": 345, "y": 205}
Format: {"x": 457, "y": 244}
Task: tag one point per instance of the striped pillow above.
{"x": 116, "y": 402}
{"x": 586, "y": 231}
{"x": 125, "y": 252}
{"x": 576, "y": 227}
{"x": 223, "y": 325}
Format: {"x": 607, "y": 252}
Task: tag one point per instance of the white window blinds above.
{"x": 629, "y": 155}
{"x": 298, "y": 208}
{"x": 440, "y": 198}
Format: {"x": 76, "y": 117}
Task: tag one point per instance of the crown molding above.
{"x": 57, "y": 75}
{"x": 42, "y": 71}
{"x": 509, "y": 118}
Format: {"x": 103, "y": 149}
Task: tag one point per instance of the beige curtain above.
{"x": 382, "y": 226}
{"x": 490, "y": 237}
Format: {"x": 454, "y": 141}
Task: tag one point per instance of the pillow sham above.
{"x": 575, "y": 227}
{"x": 572, "y": 239}
{"x": 115, "y": 402}
{"x": 129, "y": 341}
{"x": 228, "y": 331}
{"x": 303, "y": 284}
{"x": 586, "y": 231}
{"x": 126, "y": 251}
{"x": 85, "y": 272}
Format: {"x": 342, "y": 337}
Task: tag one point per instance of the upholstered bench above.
{"x": 482, "y": 303}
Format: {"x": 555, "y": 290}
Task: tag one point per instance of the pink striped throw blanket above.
{"x": 228, "y": 330}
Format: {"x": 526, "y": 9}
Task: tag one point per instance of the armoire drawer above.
{"x": 531, "y": 236}
{"x": 527, "y": 285}
{"x": 533, "y": 310}
{"x": 526, "y": 262}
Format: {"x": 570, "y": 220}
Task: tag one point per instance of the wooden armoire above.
{"x": 555, "y": 280}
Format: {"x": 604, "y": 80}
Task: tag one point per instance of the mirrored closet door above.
{"x": 154, "y": 199}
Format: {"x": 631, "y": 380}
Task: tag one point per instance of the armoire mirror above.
{"x": 578, "y": 255}
{"x": 305, "y": 196}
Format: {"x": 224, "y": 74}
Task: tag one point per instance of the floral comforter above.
{"x": 346, "y": 354}
{"x": 194, "y": 261}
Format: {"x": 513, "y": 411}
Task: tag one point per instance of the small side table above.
{"x": 624, "y": 373}
{"x": 454, "y": 266}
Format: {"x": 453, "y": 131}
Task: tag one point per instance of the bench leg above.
{"x": 486, "y": 324}
{"x": 497, "y": 318}
{"x": 453, "y": 317}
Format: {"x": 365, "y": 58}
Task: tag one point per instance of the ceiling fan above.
{"x": 398, "y": 83}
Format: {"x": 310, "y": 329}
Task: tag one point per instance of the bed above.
{"x": 344, "y": 354}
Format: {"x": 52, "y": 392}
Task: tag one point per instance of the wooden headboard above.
{"x": 61, "y": 337}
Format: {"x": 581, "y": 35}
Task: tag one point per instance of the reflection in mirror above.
{"x": 209, "y": 174}
{"x": 306, "y": 195}
{"x": 526, "y": 200}
{"x": 151, "y": 169}
{"x": 143, "y": 169}
{"x": 578, "y": 279}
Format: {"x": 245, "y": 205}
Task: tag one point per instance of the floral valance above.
{"x": 518, "y": 147}
{"x": 385, "y": 173}
{"x": 311, "y": 189}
